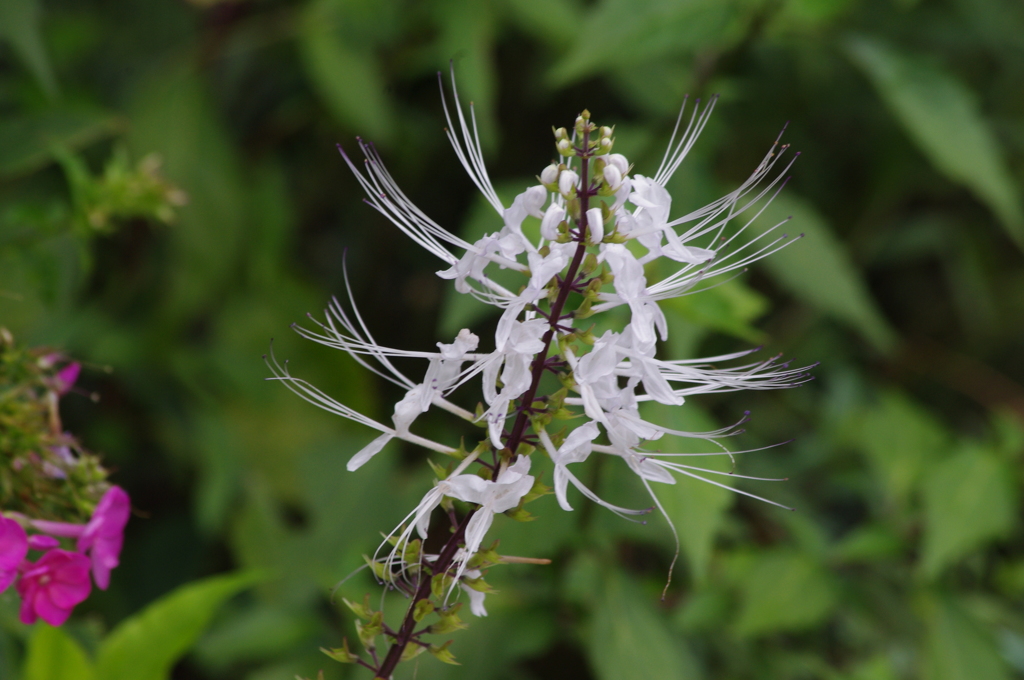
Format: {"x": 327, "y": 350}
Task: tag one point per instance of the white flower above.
{"x": 504, "y": 493}
{"x": 535, "y": 331}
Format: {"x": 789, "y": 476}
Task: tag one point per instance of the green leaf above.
{"x": 729, "y": 308}
{"x": 900, "y": 439}
{"x": 627, "y": 36}
{"x": 442, "y": 654}
{"x": 146, "y": 646}
{"x": 27, "y": 143}
{"x": 969, "y": 500}
{"x": 172, "y": 114}
{"x": 348, "y": 81}
{"x": 956, "y": 647}
{"x": 818, "y": 270}
{"x": 628, "y": 639}
{"x": 695, "y": 508}
{"x": 19, "y": 25}
{"x": 467, "y": 39}
{"x": 941, "y": 115}
{"x": 53, "y": 655}
{"x": 784, "y": 590}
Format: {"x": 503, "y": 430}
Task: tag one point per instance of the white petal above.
{"x": 368, "y": 452}
{"x": 595, "y": 226}
{"x": 549, "y": 225}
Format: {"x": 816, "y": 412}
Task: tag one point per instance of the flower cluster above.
{"x": 50, "y": 489}
{"x": 51, "y": 586}
{"x": 549, "y": 383}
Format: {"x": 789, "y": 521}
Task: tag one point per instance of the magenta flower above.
{"x": 66, "y": 377}
{"x": 104, "y": 534}
{"x": 13, "y": 548}
{"x": 52, "y": 587}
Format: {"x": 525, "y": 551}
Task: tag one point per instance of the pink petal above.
{"x": 50, "y": 612}
{"x": 41, "y": 542}
{"x": 28, "y": 612}
{"x": 13, "y": 545}
{"x": 67, "y": 376}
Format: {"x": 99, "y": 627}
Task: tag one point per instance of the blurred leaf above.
{"x": 665, "y": 27}
{"x": 173, "y": 116}
{"x": 466, "y": 40}
{"x": 729, "y": 308}
{"x": 784, "y": 590}
{"x": 696, "y": 508}
{"x": 818, "y": 270}
{"x": 956, "y": 647}
{"x": 349, "y": 81}
{"x": 27, "y": 143}
{"x": 941, "y": 115}
{"x": 628, "y": 639}
{"x": 146, "y": 646}
{"x": 868, "y": 543}
{"x": 544, "y": 18}
{"x": 53, "y": 655}
{"x": 254, "y": 634}
{"x": 969, "y": 499}
{"x": 19, "y": 25}
{"x": 900, "y": 439}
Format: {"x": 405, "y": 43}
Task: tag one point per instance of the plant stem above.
{"x": 515, "y": 438}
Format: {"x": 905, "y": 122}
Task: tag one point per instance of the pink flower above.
{"x": 13, "y": 548}
{"x": 66, "y": 377}
{"x": 104, "y": 534}
{"x": 52, "y": 587}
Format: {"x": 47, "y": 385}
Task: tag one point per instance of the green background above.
{"x": 904, "y": 558}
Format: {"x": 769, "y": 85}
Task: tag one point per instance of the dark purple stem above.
{"x": 444, "y": 560}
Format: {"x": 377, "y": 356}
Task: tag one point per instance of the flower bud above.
{"x": 564, "y": 147}
{"x": 534, "y": 199}
{"x": 595, "y": 226}
{"x": 612, "y": 177}
{"x": 567, "y": 183}
{"x": 619, "y": 161}
{"x": 549, "y": 225}
{"x": 549, "y": 175}
{"x": 606, "y": 131}
{"x": 606, "y": 144}
{"x": 561, "y": 133}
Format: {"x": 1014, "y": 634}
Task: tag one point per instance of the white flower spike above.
{"x": 591, "y": 206}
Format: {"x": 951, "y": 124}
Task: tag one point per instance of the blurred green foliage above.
{"x": 905, "y": 557}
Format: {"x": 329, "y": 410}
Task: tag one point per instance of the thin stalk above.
{"x": 446, "y": 557}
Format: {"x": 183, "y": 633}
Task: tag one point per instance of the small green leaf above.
{"x": 53, "y": 655}
{"x": 363, "y": 610}
{"x": 147, "y": 645}
{"x": 449, "y": 622}
{"x": 369, "y": 631}
{"x": 818, "y": 270}
{"x": 442, "y": 654}
{"x": 941, "y": 115}
{"x": 422, "y": 609}
{"x": 784, "y": 590}
{"x": 342, "y": 654}
{"x": 629, "y": 640}
{"x": 412, "y": 651}
{"x": 969, "y": 499}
